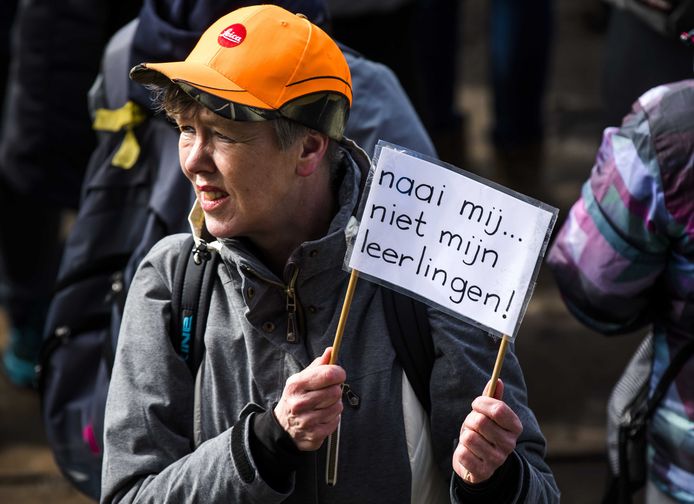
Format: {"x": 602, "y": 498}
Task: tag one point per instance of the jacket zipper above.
{"x": 292, "y": 302}
{"x": 292, "y": 305}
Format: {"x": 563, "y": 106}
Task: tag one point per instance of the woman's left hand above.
{"x": 487, "y": 437}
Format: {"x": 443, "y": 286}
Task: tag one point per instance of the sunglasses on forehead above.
{"x": 324, "y": 112}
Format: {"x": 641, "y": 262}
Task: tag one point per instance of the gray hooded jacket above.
{"x": 150, "y": 453}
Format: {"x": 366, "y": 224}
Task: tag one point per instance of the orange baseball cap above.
{"x": 264, "y": 58}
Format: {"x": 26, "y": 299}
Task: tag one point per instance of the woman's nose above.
{"x": 197, "y": 156}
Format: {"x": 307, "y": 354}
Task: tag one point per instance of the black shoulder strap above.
{"x": 408, "y": 327}
{"x": 190, "y": 300}
{"x": 670, "y": 373}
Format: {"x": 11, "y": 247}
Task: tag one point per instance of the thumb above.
{"x": 498, "y": 392}
{"x": 323, "y": 359}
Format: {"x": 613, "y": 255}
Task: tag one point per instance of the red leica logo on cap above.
{"x": 232, "y": 36}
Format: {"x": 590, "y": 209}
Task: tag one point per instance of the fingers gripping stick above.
{"x": 490, "y": 389}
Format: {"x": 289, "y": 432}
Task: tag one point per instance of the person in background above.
{"x": 46, "y": 142}
{"x": 624, "y": 260}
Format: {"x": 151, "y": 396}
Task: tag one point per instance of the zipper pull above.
{"x": 292, "y": 326}
{"x": 352, "y": 399}
{"x": 334, "y": 438}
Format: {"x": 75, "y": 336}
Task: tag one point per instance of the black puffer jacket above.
{"x": 47, "y": 137}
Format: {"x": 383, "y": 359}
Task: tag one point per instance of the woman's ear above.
{"x": 313, "y": 148}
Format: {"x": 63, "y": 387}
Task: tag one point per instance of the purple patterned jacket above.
{"x": 624, "y": 258}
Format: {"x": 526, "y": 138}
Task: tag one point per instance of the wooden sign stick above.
{"x": 343, "y": 315}
{"x": 334, "y": 438}
{"x": 497, "y": 365}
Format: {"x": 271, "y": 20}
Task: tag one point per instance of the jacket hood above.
{"x": 169, "y": 29}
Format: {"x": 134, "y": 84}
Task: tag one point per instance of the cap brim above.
{"x": 192, "y": 73}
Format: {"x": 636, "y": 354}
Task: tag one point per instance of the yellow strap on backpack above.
{"x": 124, "y": 118}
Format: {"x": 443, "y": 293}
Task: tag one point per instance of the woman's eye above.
{"x": 221, "y": 136}
{"x": 185, "y": 129}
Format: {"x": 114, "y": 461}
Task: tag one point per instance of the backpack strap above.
{"x": 190, "y": 300}
{"x": 644, "y": 405}
{"x": 632, "y": 436}
{"x": 410, "y": 334}
{"x": 671, "y": 372}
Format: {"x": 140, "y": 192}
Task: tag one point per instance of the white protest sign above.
{"x": 451, "y": 239}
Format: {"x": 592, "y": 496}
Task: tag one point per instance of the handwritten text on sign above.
{"x": 450, "y": 239}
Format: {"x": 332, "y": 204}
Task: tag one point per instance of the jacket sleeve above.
{"x": 149, "y": 455}
{"x": 614, "y": 244}
{"x": 464, "y": 356}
